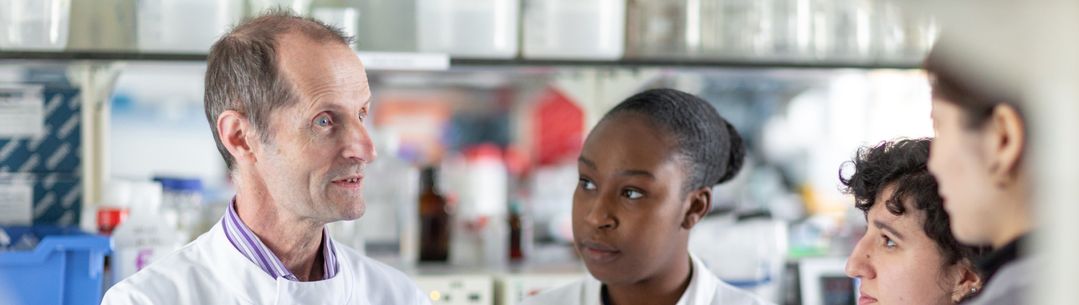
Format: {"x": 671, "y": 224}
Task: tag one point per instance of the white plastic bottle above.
{"x": 479, "y": 235}
{"x": 143, "y": 237}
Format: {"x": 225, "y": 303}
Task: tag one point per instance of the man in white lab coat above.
{"x": 286, "y": 99}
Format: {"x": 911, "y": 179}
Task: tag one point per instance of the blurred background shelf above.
{"x": 497, "y": 95}
{"x": 97, "y": 55}
{"x": 438, "y": 61}
{"x": 687, "y": 63}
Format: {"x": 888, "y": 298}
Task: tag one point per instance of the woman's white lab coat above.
{"x": 704, "y": 289}
{"x": 211, "y": 271}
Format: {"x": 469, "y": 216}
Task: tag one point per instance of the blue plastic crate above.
{"x": 64, "y": 269}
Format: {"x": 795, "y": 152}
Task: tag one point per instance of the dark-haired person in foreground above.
{"x": 908, "y": 254}
{"x": 981, "y": 157}
{"x": 646, "y": 177}
{"x": 286, "y": 99}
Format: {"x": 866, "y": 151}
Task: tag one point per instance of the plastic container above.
{"x": 486, "y": 179}
{"x": 143, "y": 237}
{"x": 387, "y": 25}
{"x": 734, "y": 29}
{"x": 34, "y": 24}
{"x": 657, "y": 29}
{"x": 468, "y": 28}
{"x": 739, "y": 29}
{"x": 184, "y": 26}
{"x": 574, "y": 29}
{"x": 843, "y": 30}
{"x": 479, "y": 233}
{"x": 792, "y": 30}
{"x": 115, "y": 208}
{"x": 64, "y": 269}
{"x": 903, "y": 36}
{"x": 182, "y": 205}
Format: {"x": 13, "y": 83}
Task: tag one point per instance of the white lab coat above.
{"x": 210, "y": 270}
{"x": 704, "y": 289}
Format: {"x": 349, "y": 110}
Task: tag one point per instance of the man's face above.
{"x": 313, "y": 163}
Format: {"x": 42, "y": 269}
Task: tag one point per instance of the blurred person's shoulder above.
{"x": 1012, "y": 284}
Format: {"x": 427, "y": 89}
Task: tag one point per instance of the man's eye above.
{"x": 323, "y": 121}
{"x": 632, "y": 194}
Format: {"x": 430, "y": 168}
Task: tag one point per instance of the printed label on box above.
{"x": 22, "y": 111}
{"x": 16, "y": 204}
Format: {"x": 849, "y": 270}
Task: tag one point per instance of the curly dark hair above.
{"x": 903, "y": 164}
{"x": 712, "y": 147}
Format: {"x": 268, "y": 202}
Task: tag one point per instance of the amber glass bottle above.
{"x": 434, "y": 220}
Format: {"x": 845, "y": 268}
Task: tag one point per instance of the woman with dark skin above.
{"x": 646, "y": 177}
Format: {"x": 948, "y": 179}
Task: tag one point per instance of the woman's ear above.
{"x": 968, "y": 282}
{"x": 1006, "y": 139}
{"x": 699, "y": 203}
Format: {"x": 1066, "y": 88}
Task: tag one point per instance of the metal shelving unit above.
{"x": 433, "y": 61}
{"x": 96, "y": 72}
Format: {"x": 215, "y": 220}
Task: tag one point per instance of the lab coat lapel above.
{"x": 236, "y": 272}
{"x": 336, "y": 290}
{"x": 591, "y": 292}
{"x": 702, "y": 286}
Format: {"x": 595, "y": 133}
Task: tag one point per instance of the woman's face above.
{"x": 956, "y": 160}
{"x": 897, "y": 263}
{"x": 628, "y": 208}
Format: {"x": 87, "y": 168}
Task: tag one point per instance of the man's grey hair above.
{"x": 243, "y": 75}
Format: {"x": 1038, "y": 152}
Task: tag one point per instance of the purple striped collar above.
{"x": 251, "y": 247}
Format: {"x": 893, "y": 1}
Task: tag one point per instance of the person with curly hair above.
{"x": 908, "y": 254}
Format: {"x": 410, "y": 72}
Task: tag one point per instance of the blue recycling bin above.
{"x": 65, "y": 268}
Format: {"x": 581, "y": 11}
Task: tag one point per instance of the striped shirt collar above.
{"x": 251, "y": 247}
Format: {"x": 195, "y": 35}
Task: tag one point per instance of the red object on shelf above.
{"x": 558, "y": 128}
{"x": 483, "y": 151}
{"x": 108, "y": 218}
{"x": 516, "y": 162}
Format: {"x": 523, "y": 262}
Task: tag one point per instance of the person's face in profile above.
{"x": 629, "y": 207}
{"x": 313, "y": 161}
{"x": 898, "y": 263}
{"x": 957, "y": 162}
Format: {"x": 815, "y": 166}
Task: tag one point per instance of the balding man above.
{"x": 286, "y": 99}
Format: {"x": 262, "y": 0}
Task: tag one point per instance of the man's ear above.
{"x": 698, "y": 204}
{"x": 237, "y": 135}
{"x": 1006, "y": 139}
